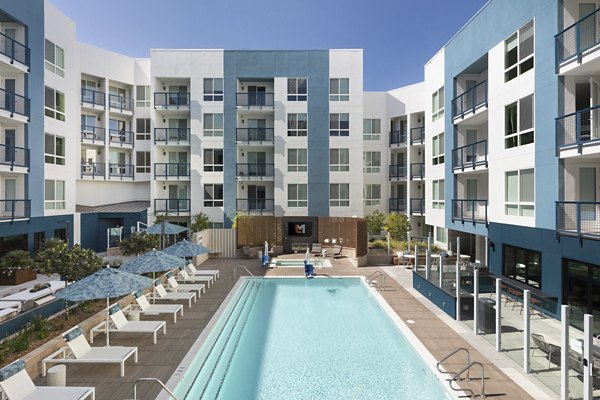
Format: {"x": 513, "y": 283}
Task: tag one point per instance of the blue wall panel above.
{"x": 96, "y": 225}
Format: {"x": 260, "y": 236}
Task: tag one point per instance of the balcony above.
{"x": 13, "y": 156}
{"x": 417, "y": 171}
{"x": 172, "y": 136}
{"x": 14, "y": 50}
{"x": 121, "y": 171}
{"x": 578, "y": 218}
{"x": 578, "y": 129}
{"x": 470, "y": 156}
{"x": 255, "y": 171}
{"x": 14, "y": 209}
{"x": 172, "y": 100}
{"x": 467, "y": 210}
{"x": 417, "y": 206}
{"x": 92, "y": 134}
{"x": 255, "y": 134}
{"x": 93, "y": 98}
{"x": 397, "y": 138}
{"x": 259, "y": 100}
{"x": 397, "y": 172}
{"x": 470, "y": 101}
{"x": 120, "y": 138}
{"x": 397, "y": 205}
{"x": 175, "y": 171}
{"x": 256, "y": 206}
{"x": 417, "y": 135}
{"x": 172, "y": 206}
{"x": 93, "y": 170}
{"x": 120, "y": 103}
{"x": 14, "y": 104}
{"x": 578, "y": 40}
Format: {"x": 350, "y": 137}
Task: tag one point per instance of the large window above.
{"x": 54, "y": 58}
{"x": 213, "y": 195}
{"x": 371, "y": 129}
{"x": 142, "y": 162}
{"x": 523, "y": 265}
{"x": 519, "y": 123}
{"x": 520, "y": 193}
{"x": 54, "y": 195}
{"x": 213, "y": 160}
{"x": 297, "y": 89}
{"x": 142, "y": 129}
{"x": 372, "y": 195}
{"x": 297, "y": 125}
{"x": 371, "y": 162}
{"x": 297, "y": 160}
{"x": 142, "y": 96}
{"x": 437, "y": 104}
{"x": 339, "y": 195}
{"x": 298, "y": 195}
{"x": 213, "y": 124}
{"x": 518, "y": 52}
{"x": 213, "y": 89}
{"x": 54, "y": 149}
{"x": 437, "y": 151}
{"x": 54, "y": 104}
{"x": 339, "y": 125}
{"x": 438, "y": 194}
{"x": 339, "y": 160}
{"x": 339, "y": 89}
{"x": 581, "y": 286}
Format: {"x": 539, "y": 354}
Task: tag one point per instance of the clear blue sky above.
{"x": 398, "y": 36}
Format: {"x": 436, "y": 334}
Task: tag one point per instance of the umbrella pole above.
{"x": 107, "y": 317}
{"x": 153, "y": 288}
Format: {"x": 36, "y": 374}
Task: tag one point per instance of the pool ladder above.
{"x": 238, "y": 267}
{"x": 377, "y": 280}
{"x": 466, "y": 369}
{"x": 155, "y": 380}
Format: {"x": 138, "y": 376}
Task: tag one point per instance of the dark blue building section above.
{"x": 94, "y": 227}
{"x": 28, "y": 235}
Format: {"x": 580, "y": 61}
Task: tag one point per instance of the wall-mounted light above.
{"x": 98, "y": 152}
{"x": 164, "y": 188}
{"x": 98, "y": 84}
{"x": 242, "y": 186}
{"x": 493, "y": 246}
{"x": 164, "y": 120}
{"x": 164, "y": 153}
{"x": 99, "y": 119}
{"x": 242, "y": 154}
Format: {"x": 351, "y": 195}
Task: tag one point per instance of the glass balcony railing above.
{"x": 255, "y": 134}
{"x": 120, "y": 103}
{"x": 397, "y": 171}
{"x": 260, "y": 206}
{"x": 417, "y": 135}
{"x": 172, "y": 206}
{"x": 121, "y": 171}
{"x": 93, "y": 97}
{"x": 14, "y": 50}
{"x": 417, "y": 171}
{"x": 470, "y": 210}
{"x": 93, "y": 134}
{"x": 578, "y": 128}
{"x": 470, "y": 156}
{"x": 14, "y": 156}
{"x": 576, "y": 39}
{"x": 417, "y": 206}
{"x": 172, "y": 170}
{"x": 93, "y": 169}
{"x": 470, "y": 101}
{"x": 172, "y": 135}
{"x": 11, "y": 209}
{"x": 397, "y": 204}
{"x": 255, "y": 99}
{"x": 578, "y": 218}
{"x": 119, "y": 137}
{"x": 255, "y": 170}
{"x": 398, "y": 137}
{"x": 172, "y": 99}
{"x": 14, "y": 103}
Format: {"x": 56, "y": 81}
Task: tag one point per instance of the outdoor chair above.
{"x": 119, "y": 323}
{"x": 79, "y": 351}
{"x": 162, "y": 294}
{"x": 184, "y": 278}
{"x": 145, "y": 307}
{"x": 246, "y": 252}
{"x": 548, "y": 348}
{"x": 316, "y": 250}
{"x": 576, "y": 364}
{"x": 193, "y": 271}
{"x": 337, "y": 251}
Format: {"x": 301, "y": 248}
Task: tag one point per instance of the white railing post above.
{"x": 441, "y": 272}
{"x": 588, "y": 360}
{"x": 526, "y": 329}
{"x": 564, "y": 352}
{"x": 458, "y": 305}
{"x": 498, "y": 314}
{"x": 475, "y": 298}
{"x": 428, "y": 258}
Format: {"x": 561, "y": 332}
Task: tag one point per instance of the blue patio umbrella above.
{"x": 106, "y": 283}
{"x": 186, "y": 248}
{"x": 152, "y": 261}
{"x": 169, "y": 229}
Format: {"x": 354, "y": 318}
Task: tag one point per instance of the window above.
{"x": 298, "y": 195}
{"x": 213, "y": 195}
{"x": 437, "y": 150}
{"x": 520, "y": 193}
{"x": 297, "y": 160}
{"x": 519, "y": 122}
{"x": 372, "y": 195}
{"x": 339, "y": 89}
{"x": 213, "y": 124}
{"x": 213, "y": 89}
{"x": 213, "y": 160}
{"x": 215, "y": 225}
{"x": 142, "y": 162}
{"x": 441, "y": 234}
{"x": 54, "y": 104}
{"x": 438, "y": 194}
{"x": 371, "y": 129}
{"x": 142, "y": 129}
{"x": 339, "y": 160}
{"x": 339, "y": 125}
{"x": 297, "y": 89}
{"x": 142, "y": 96}
{"x": 339, "y": 195}
{"x": 54, "y": 195}
{"x": 54, "y": 149}
{"x": 523, "y": 265}
{"x": 371, "y": 162}
{"x": 297, "y": 125}
{"x": 54, "y": 58}
{"x": 437, "y": 104}
{"x": 518, "y": 52}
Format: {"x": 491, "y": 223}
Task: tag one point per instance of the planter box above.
{"x": 17, "y": 277}
{"x": 379, "y": 259}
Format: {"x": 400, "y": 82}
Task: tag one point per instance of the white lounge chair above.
{"x": 184, "y": 287}
{"x": 17, "y": 385}
{"x": 120, "y": 324}
{"x": 162, "y": 294}
{"x": 145, "y": 307}
{"x": 184, "y": 278}
{"x": 79, "y": 351}
{"x": 193, "y": 271}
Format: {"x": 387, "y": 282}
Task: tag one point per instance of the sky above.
{"x": 398, "y": 36}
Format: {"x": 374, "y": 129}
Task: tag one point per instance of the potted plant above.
{"x": 16, "y": 268}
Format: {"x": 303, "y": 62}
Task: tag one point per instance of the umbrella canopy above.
{"x": 152, "y": 261}
{"x": 185, "y": 248}
{"x": 169, "y": 229}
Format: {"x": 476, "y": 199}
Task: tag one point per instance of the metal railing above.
{"x": 578, "y": 128}
{"x": 154, "y": 380}
{"x": 171, "y": 99}
{"x": 417, "y": 135}
{"x": 116, "y": 102}
{"x": 171, "y": 170}
{"x": 470, "y": 210}
{"x": 14, "y": 50}
{"x": 377, "y": 280}
{"x": 14, "y": 209}
{"x": 255, "y": 170}
{"x": 398, "y": 137}
{"x": 397, "y": 204}
{"x": 470, "y": 155}
{"x": 578, "y": 218}
{"x": 397, "y": 171}
{"x": 577, "y": 38}
{"x": 92, "y": 169}
{"x": 255, "y": 99}
{"x": 255, "y": 134}
{"x": 172, "y": 206}
{"x": 121, "y": 171}
{"x": 89, "y": 96}
{"x": 172, "y": 135}
{"x": 417, "y": 206}
{"x": 417, "y": 171}
{"x": 121, "y": 137}
{"x": 93, "y": 133}
{"x": 14, "y": 103}
{"x": 466, "y": 369}
{"x": 469, "y": 101}
{"x": 240, "y": 267}
{"x": 256, "y": 205}
{"x": 450, "y": 355}
{"x": 14, "y": 156}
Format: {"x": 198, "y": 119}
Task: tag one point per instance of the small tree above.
{"x": 200, "y": 222}
{"x": 240, "y": 214}
{"x": 16, "y": 259}
{"x": 375, "y": 222}
{"x": 398, "y": 225}
{"x": 82, "y": 262}
{"x": 52, "y": 256}
{"x": 55, "y": 257}
{"x": 138, "y": 243}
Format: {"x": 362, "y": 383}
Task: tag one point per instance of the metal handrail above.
{"x": 468, "y": 368}
{"x": 452, "y": 354}
{"x": 378, "y": 284}
{"x": 238, "y": 267}
{"x": 155, "y": 380}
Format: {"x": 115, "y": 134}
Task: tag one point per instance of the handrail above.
{"x": 468, "y": 368}
{"x": 155, "y": 380}
{"x": 235, "y": 271}
{"x": 453, "y": 353}
{"x": 378, "y": 284}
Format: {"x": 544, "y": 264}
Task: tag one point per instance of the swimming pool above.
{"x": 290, "y": 338}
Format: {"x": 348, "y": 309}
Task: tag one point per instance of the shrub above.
{"x": 16, "y": 260}
{"x": 398, "y": 225}
{"x": 375, "y": 222}
{"x": 40, "y": 325}
{"x": 139, "y": 243}
{"x": 200, "y": 222}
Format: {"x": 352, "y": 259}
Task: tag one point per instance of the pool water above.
{"x": 295, "y": 338}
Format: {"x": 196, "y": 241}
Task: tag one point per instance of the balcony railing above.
{"x": 397, "y": 204}
{"x": 172, "y": 135}
{"x": 578, "y": 218}
{"x": 116, "y": 102}
{"x": 417, "y": 171}
{"x": 94, "y": 97}
{"x": 470, "y": 156}
{"x": 93, "y": 169}
{"x": 14, "y": 50}
{"x": 93, "y": 133}
{"x": 255, "y": 170}
{"x": 172, "y": 206}
{"x": 578, "y": 128}
{"x": 397, "y": 137}
{"x": 578, "y": 38}
{"x": 256, "y": 205}
{"x": 417, "y": 206}
{"x": 14, "y": 209}
{"x": 255, "y": 99}
{"x": 467, "y": 210}
{"x": 121, "y": 171}
{"x": 14, "y": 103}
{"x": 172, "y": 170}
{"x": 397, "y": 171}
{"x": 417, "y": 135}
{"x": 172, "y": 99}
{"x": 255, "y": 134}
{"x": 14, "y": 156}
{"x": 121, "y": 137}
{"x": 470, "y": 101}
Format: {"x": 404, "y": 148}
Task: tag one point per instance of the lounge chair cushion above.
{"x": 114, "y": 309}
{"x": 73, "y": 333}
{"x": 169, "y": 274}
{"x": 11, "y": 370}
{"x": 138, "y": 294}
